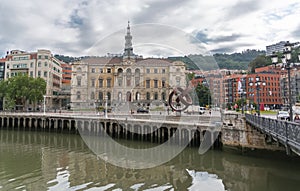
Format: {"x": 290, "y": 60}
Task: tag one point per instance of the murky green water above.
{"x": 50, "y": 161}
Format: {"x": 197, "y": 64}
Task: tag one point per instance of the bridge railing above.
{"x": 285, "y": 131}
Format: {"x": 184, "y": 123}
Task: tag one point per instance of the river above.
{"x": 31, "y": 160}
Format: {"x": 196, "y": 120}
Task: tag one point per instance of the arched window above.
{"x": 78, "y": 80}
{"x": 156, "y": 96}
{"x": 163, "y": 96}
{"x": 78, "y": 95}
{"x": 120, "y": 96}
{"x": 128, "y": 77}
{"x": 108, "y": 96}
{"x": 178, "y": 81}
{"x": 137, "y": 76}
{"x": 120, "y": 77}
{"x": 137, "y": 96}
{"x": 128, "y": 96}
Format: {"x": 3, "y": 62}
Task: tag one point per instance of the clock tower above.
{"x": 128, "y": 50}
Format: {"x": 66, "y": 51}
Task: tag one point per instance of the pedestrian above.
{"x": 297, "y": 118}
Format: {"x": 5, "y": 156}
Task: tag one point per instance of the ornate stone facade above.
{"x": 124, "y": 79}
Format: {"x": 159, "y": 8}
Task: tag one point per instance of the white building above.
{"x": 124, "y": 79}
{"x": 37, "y": 64}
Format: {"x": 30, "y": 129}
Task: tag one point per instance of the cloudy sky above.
{"x": 76, "y": 27}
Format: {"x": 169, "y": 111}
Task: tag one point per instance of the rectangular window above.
{"x": 100, "y": 83}
{"x": 39, "y": 73}
{"x": 147, "y": 83}
{"x": 31, "y": 65}
{"x": 39, "y": 64}
{"x": 155, "y": 70}
{"x": 78, "y": 82}
{"x": 163, "y": 83}
{"x": 148, "y": 71}
{"x": 31, "y": 73}
{"x": 163, "y": 71}
{"x": 108, "y": 70}
{"x": 93, "y": 83}
{"x": 108, "y": 83}
{"x": 155, "y": 83}
{"x": 93, "y": 70}
{"x": 46, "y": 64}
{"x": 45, "y": 74}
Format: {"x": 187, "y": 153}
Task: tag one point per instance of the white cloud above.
{"x": 72, "y": 27}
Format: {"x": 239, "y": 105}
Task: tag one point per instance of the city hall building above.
{"x": 124, "y": 79}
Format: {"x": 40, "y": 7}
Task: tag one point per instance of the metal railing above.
{"x": 285, "y": 132}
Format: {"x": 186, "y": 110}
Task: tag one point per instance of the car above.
{"x": 142, "y": 110}
{"x": 283, "y": 115}
{"x": 202, "y": 110}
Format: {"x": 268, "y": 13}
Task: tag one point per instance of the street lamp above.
{"x": 274, "y": 59}
{"x": 258, "y": 84}
{"x": 106, "y": 99}
{"x": 242, "y": 98}
{"x": 286, "y": 61}
{"x": 287, "y": 65}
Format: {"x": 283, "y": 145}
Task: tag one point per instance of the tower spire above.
{"x": 128, "y": 50}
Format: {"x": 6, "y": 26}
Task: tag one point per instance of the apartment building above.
{"x": 2, "y": 74}
{"x": 37, "y": 64}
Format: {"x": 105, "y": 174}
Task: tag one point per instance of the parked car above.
{"x": 142, "y": 110}
{"x": 283, "y": 115}
{"x": 202, "y": 110}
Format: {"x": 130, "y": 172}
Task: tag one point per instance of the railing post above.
{"x": 286, "y": 132}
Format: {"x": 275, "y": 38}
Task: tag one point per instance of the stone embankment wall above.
{"x": 237, "y": 133}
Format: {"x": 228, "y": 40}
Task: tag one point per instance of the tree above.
{"x": 259, "y": 61}
{"x": 20, "y": 89}
{"x": 37, "y": 90}
{"x": 203, "y": 94}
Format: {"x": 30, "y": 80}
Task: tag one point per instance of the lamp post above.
{"x": 106, "y": 98}
{"x": 242, "y": 98}
{"x": 258, "y": 84}
{"x": 286, "y": 61}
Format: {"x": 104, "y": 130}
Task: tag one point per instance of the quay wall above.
{"x": 233, "y": 132}
{"x": 138, "y": 128}
{"x": 236, "y": 133}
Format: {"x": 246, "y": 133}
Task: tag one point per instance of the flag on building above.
{"x": 239, "y": 85}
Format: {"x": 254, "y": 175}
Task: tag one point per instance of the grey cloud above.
{"x": 242, "y": 8}
{"x": 157, "y": 10}
{"x": 296, "y": 33}
{"x": 75, "y": 19}
{"x": 203, "y": 37}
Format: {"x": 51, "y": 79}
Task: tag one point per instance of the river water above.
{"x": 54, "y": 161}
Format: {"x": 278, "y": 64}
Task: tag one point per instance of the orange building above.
{"x": 67, "y": 73}
{"x": 244, "y": 85}
{"x": 269, "y": 94}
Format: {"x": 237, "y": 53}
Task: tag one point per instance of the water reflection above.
{"x": 49, "y": 161}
